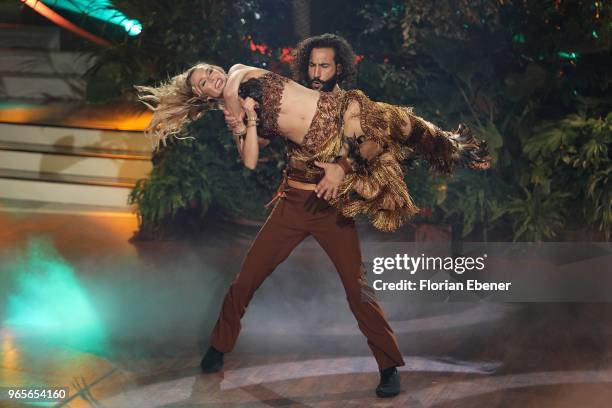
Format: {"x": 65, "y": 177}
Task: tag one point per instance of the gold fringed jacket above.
{"x": 375, "y": 187}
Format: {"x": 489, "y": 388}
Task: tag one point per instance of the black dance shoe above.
{"x": 212, "y": 361}
{"x": 389, "y": 385}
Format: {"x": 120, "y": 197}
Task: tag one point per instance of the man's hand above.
{"x": 328, "y": 186}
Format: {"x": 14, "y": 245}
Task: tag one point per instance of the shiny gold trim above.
{"x": 300, "y": 186}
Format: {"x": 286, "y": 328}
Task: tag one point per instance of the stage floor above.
{"x": 125, "y": 325}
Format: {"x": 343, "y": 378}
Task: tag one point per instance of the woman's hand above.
{"x": 231, "y": 120}
{"x": 235, "y": 124}
{"x": 248, "y": 108}
{"x": 249, "y": 104}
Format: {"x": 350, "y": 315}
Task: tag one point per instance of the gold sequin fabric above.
{"x": 323, "y": 140}
{"x": 379, "y": 192}
{"x": 325, "y": 125}
{"x": 272, "y": 93}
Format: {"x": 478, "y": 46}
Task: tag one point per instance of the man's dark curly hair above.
{"x": 343, "y": 55}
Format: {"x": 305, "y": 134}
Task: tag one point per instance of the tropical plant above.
{"x": 478, "y": 200}
{"x": 191, "y": 176}
{"x": 572, "y": 155}
{"x": 531, "y": 78}
{"x": 537, "y": 216}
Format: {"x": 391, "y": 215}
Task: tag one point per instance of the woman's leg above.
{"x": 281, "y": 233}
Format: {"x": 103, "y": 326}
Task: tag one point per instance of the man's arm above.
{"x": 335, "y": 172}
{"x": 360, "y": 151}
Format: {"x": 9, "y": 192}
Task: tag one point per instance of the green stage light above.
{"x": 48, "y": 305}
{"x": 568, "y": 55}
{"x": 99, "y": 9}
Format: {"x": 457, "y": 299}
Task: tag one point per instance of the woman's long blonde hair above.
{"x": 173, "y": 104}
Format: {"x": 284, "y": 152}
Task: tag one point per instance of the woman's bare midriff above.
{"x": 297, "y": 109}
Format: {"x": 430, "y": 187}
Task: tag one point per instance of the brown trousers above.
{"x": 297, "y": 215}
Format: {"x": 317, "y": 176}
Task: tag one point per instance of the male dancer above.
{"x": 322, "y": 63}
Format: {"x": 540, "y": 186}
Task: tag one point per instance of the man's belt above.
{"x": 280, "y": 193}
{"x": 299, "y": 185}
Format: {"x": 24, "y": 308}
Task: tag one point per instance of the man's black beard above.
{"x": 326, "y": 86}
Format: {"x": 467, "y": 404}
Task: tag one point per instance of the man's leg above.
{"x": 338, "y": 237}
{"x": 280, "y": 234}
